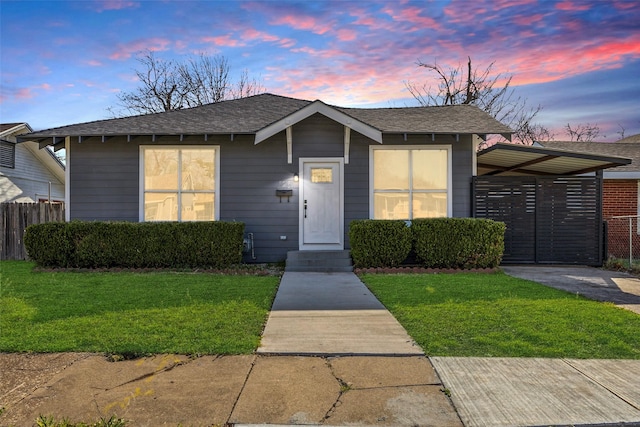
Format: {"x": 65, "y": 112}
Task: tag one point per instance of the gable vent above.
{"x": 7, "y": 154}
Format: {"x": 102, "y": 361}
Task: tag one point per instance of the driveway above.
{"x": 619, "y": 288}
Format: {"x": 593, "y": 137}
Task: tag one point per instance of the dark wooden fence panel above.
{"x": 511, "y": 200}
{"x": 569, "y": 221}
{"x": 16, "y": 217}
{"x": 549, "y": 219}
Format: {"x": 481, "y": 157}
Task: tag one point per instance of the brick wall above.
{"x": 620, "y": 198}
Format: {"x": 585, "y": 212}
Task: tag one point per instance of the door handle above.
{"x": 305, "y": 208}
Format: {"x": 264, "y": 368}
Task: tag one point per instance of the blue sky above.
{"x": 63, "y": 62}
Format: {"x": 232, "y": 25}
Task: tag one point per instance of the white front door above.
{"x": 321, "y": 204}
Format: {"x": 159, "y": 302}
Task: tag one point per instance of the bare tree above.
{"x": 246, "y": 86}
{"x": 167, "y": 85}
{"x": 489, "y": 91}
{"x": 583, "y": 132}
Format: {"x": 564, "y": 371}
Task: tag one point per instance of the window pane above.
{"x": 160, "y": 207}
{"x": 429, "y": 205}
{"x": 322, "y": 175}
{"x": 161, "y": 169}
{"x": 198, "y": 169}
{"x": 429, "y": 169}
{"x": 197, "y": 206}
{"x": 391, "y": 206}
{"x": 391, "y": 169}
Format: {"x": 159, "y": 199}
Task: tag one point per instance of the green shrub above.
{"x": 135, "y": 245}
{"x": 379, "y": 243}
{"x": 48, "y": 244}
{"x": 458, "y": 242}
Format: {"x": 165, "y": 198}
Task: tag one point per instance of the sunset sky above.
{"x": 63, "y": 62}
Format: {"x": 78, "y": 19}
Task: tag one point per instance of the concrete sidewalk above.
{"x": 172, "y": 390}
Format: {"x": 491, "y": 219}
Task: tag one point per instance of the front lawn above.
{"x": 502, "y": 316}
{"x": 131, "y": 313}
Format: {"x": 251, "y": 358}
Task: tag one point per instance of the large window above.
{"x": 179, "y": 183}
{"x": 410, "y": 182}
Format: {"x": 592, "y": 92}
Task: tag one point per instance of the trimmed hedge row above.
{"x": 438, "y": 242}
{"x": 376, "y": 243}
{"x": 80, "y": 244}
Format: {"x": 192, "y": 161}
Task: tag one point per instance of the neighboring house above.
{"x": 296, "y": 172}
{"x": 27, "y": 173}
{"x": 621, "y": 189}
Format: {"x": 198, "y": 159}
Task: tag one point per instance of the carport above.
{"x": 550, "y": 200}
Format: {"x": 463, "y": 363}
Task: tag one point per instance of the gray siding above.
{"x": 105, "y": 178}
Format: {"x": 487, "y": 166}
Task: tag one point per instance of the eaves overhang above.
{"x": 513, "y": 159}
{"x": 321, "y": 108}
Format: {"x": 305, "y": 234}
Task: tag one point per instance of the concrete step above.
{"x": 319, "y": 261}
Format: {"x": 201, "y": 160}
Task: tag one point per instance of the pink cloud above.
{"x": 572, "y": 6}
{"x": 126, "y": 51}
{"x": 253, "y": 34}
{"x": 320, "y": 53}
{"x": 346, "y": 35}
{"x": 413, "y": 15}
{"x": 302, "y": 22}
{"x": 94, "y": 63}
{"x": 560, "y": 61}
{"x": 624, "y": 4}
{"x": 116, "y": 5}
{"x": 526, "y": 20}
{"x": 24, "y": 93}
{"x": 225, "y": 40}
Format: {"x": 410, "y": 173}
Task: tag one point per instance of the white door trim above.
{"x": 338, "y": 246}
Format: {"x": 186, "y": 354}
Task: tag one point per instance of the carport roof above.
{"x": 513, "y": 159}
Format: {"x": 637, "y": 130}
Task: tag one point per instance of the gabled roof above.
{"x": 322, "y": 108}
{"x": 632, "y": 138}
{"x": 513, "y": 159}
{"x": 13, "y": 132}
{"x": 257, "y": 114}
{"x": 14, "y": 128}
{"x": 239, "y": 116}
{"x": 446, "y": 119}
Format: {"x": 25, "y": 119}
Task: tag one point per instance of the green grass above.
{"x": 131, "y": 313}
{"x": 502, "y": 316}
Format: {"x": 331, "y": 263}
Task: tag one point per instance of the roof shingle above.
{"x": 629, "y": 150}
{"x": 249, "y": 115}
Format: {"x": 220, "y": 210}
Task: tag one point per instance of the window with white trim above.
{"x": 409, "y": 182}
{"x": 179, "y": 183}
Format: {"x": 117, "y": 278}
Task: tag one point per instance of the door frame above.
{"x": 301, "y": 245}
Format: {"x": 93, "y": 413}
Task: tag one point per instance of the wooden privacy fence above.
{"x": 16, "y": 217}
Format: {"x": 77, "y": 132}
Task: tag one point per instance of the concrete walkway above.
{"x": 332, "y": 314}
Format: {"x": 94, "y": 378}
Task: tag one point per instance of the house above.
{"x": 296, "y": 172}
{"x": 28, "y": 174}
{"x": 620, "y": 191}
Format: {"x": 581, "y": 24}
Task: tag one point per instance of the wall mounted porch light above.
{"x": 296, "y": 178}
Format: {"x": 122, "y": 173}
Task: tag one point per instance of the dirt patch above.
{"x": 22, "y": 373}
